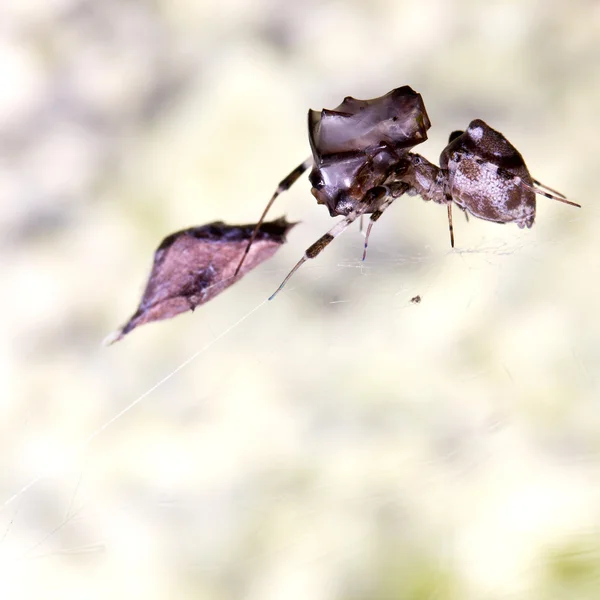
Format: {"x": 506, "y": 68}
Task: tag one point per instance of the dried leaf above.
{"x": 194, "y": 265}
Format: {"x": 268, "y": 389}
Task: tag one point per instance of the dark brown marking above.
{"x": 321, "y": 243}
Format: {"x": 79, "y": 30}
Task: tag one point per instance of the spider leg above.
{"x": 538, "y": 188}
{"x": 284, "y": 185}
{"x": 392, "y": 193}
{"x": 374, "y": 216}
{"x": 548, "y": 189}
{"x": 553, "y": 196}
{"x": 450, "y": 226}
{"x": 320, "y": 244}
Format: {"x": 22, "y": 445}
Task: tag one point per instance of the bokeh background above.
{"x": 341, "y": 442}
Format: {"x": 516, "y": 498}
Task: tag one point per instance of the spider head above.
{"x": 337, "y": 182}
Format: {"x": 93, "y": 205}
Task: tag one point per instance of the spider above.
{"x": 361, "y": 162}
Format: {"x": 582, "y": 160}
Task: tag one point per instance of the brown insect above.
{"x": 192, "y": 266}
{"x": 361, "y": 162}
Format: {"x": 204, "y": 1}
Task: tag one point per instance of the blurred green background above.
{"x": 340, "y": 442}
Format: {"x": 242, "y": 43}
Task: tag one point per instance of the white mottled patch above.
{"x": 475, "y": 133}
{"x": 423, "y": 181}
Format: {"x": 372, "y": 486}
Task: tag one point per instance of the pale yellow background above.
{"x": 340, "y": 443}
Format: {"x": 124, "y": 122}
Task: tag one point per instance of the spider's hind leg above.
{"x": 540, "y": 185}
{"x": 544, "y": 190}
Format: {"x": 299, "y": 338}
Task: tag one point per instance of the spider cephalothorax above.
{"x": 361, "y": 144}
{"x": 361, "y": 162}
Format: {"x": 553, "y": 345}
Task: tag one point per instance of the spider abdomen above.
{"x": 487, "y": 176}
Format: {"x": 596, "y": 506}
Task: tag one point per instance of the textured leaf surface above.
{"x": 194, "y": 265}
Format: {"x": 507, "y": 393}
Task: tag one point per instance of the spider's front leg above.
{"x": 369, "y": 202}
{"x": 284, "y": 185}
